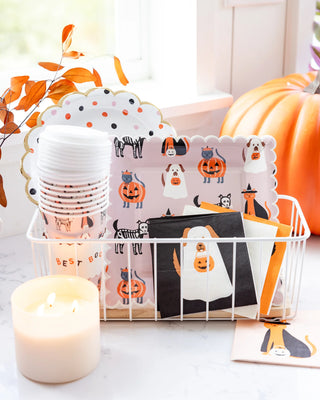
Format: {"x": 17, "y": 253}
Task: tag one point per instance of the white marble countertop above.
{"x": 157, "y": 360}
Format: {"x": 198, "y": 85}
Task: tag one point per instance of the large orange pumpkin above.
{"x": 281, "y": 108}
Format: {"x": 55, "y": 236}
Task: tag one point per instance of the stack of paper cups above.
{"x": 73, "y": 169}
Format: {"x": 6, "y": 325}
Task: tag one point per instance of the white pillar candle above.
{"x": 57, "y": 328}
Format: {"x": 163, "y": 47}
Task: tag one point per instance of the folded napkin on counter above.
{"x": 292, "y": 342}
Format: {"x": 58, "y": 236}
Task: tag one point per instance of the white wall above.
{"x": 244, "y": 43}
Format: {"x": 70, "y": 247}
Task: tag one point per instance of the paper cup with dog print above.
{"x": 74, "y": 165}
{"x": 85, "y": 258}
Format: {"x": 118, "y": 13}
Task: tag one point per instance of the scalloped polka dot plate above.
{"x": 120, "y": 113}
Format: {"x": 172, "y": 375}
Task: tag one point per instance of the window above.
{"x": 30, "y": 32}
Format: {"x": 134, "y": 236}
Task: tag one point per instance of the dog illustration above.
{"x": 135, "y": 143}
{"x": 66, "y": 222}
{"x": 204, "y": 274}
{"x": 174, "y": 183}
{"x": 124, "y": 233}
{"x": 278, "y": 342}
{"x": 86, "y": 222}
{"x": 225, "y": 201}
{"x": 254, "y": 159}
{"x": 252, "y": 207}
{"x": 172, "y": 147}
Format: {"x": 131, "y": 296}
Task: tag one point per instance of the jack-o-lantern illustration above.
{"x": 202, "y": 257}
{"x": 212, "y": 167}
{"x": 138, "y": 287}
{"x": 131, "y": 191}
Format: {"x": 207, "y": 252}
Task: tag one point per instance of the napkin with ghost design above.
{"x": 204, "y": 265}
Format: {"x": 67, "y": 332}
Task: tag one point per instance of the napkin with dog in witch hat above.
{"x": 203, "y": 273}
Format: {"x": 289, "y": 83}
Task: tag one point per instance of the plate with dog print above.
{"x": 121, "y": 114}
{"x": 167, "y": 174}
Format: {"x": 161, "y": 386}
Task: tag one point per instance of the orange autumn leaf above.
{"x": 3, "y": 199}
{"x": 28, "y": 86}
{"x": 55, "y": 98}
{"x": 32, "y": 121}
{"x": 10, "y": 127}
{"x": 62, "y": 82}
{"x": 122, "y": 78}
{"x": 15, "y": 89}
{"x": 6, "y": 115}
{"x": 50, "y": 66}
{"x": 3, "y": 104}
{"x": 57, "y": 95}
{"x": 60, "y": 89}
{"x": 97, "y": 78}
{"x": 67, "y": 37}
{"x": 17, "y": 82}
{"x": 79, "y": 75}
{"x": 73, "y": 54}
{"x": 34, "y": 92}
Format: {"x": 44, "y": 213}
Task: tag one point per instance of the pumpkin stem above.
{"x": 314, "y": 87}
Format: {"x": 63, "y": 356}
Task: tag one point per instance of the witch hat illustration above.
{"x": 249, "y": 190}
{"x": 168, "y": 213}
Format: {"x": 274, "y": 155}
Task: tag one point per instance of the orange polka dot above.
{"x": 160, "y": 126}
{"x": 89, "y": 124}
{"x": 125, "y": 112}
{"x": 94, "y": 103}
{"x": 68, "y": 116}
{"x": 31, "y": 150}
{"x": 42, "y": 122}
{"x": 104, "y": 114}
{"x": 139, "y": 109}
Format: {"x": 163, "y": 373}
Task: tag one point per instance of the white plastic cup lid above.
{"x": 70, "y": 179}
{"x": 73, "y": 148}
{"x": 75, "y": 136}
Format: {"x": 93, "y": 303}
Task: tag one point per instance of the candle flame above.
{"x": 40, "y": 309}
{"x": 75, "y": 306}
{"x": 51, "y": 299}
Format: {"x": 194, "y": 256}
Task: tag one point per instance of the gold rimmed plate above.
{"x": 120, "y": 114}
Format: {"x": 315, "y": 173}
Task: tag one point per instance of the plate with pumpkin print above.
{"x": 121, "y": 114}
{"x": 167, "y": 174}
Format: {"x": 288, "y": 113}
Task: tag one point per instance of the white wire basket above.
{"x": 290, "y": 274}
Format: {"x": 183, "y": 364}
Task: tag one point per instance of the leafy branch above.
{"x": 31, "y": 93}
